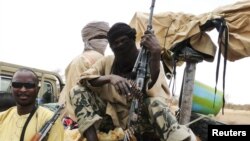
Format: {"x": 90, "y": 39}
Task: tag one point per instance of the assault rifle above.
{"x": 142, "y": 71}
{"x": 141, "y": 67}
{"x": 47, "y": 126}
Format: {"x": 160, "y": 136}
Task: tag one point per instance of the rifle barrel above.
{"x": 149, "y": 27}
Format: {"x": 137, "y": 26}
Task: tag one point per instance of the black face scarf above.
{"x": 119, "y": 51}
{"x": 124, "y": 48}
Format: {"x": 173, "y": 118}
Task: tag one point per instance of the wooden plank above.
{"x": 186, "y": 100}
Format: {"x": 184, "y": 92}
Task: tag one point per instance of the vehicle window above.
{"x": 6, "y": 99}
{"x": 47, "y": 95}
{"x": 5, "y": 82}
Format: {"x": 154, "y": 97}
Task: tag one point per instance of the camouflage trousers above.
{"x": 156, "y": 116}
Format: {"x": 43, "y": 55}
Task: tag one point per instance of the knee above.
{"x": 159, "y": 108}
{"x": 77, "y": 93}
{"x": 77, "y": 89}
{"x": 156, "y": 104}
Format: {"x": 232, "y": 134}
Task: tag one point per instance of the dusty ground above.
{"x": 230, "y": 116}
{"x": 234, "y": 116}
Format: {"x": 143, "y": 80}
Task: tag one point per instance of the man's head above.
{"x": 25, "y": 87}
{"x": 94, "y": 36}
{"x": 121, "y": 37}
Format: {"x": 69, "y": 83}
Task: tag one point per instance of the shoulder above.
{"x": 109, "y": 58}
{"x": 91, "y": 56}
{"x": 105, "y": 60}
{"x": 92, "y": 52}
{"x": 10, "y": 110}
{"x": 87, "y": 57}
{"x": 57, "y": 130}
{"x": 44, "y": 112}
{"x": 6, "y": 113}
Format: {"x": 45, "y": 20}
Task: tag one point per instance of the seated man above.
{"x": 107, "y": 87}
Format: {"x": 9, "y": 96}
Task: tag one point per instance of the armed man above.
{"x": 102, "y": 98}
{"x": 25, "y": 120}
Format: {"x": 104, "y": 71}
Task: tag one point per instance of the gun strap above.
{"x": 27, "y": 122}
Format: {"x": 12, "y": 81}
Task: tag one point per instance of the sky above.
{"x": 45, "y": 34}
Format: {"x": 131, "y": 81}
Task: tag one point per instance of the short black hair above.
{"x": 119, "y": 29}
{"x": 28, "y": 70}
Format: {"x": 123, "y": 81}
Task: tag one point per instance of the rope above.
{"x": 199, "y": 118}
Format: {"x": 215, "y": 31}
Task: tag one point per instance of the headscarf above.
{"x": 119, "y": 29}
{"x": 94, "y": 29}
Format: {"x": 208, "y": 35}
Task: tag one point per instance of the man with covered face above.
{"x": 94, "y": 36}
{"x": 105, "y": 90}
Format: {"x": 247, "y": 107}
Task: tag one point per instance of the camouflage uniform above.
{"x": 89, "y": 109}
{"x": 91, "y": 104}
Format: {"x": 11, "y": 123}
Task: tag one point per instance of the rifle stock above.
{"x": 47, "y": 126}
{"x": 36, "y": 137}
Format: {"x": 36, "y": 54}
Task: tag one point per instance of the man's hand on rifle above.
{"x": 150, "y": 42}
